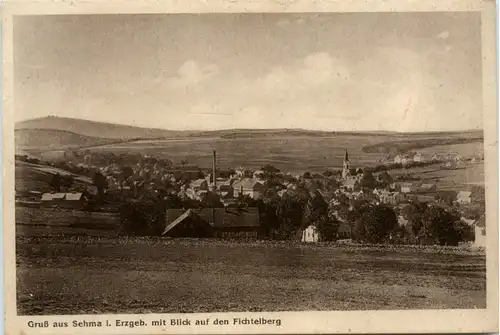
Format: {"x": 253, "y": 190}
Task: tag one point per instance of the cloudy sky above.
{"x": 359, "y": 71}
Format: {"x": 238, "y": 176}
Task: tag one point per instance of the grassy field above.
{"x": 112, "y": 275}
{"x": 38, "y": 177}
{"x": 446, "y": 179}
{"x": 288, "y": 153}
{"x": 55, "y": 222}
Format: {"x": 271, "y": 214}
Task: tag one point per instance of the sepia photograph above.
{"x": 249, "y": 162}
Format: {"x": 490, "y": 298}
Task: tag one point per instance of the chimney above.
{"x": 214, "y": 178}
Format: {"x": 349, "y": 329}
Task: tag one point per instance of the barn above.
{"x": 228, "y": 223}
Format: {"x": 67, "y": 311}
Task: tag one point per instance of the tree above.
{"x": 328, "y": 228}
{"x": 268, "y": 214}
{"x": 56, "y": 182}
{"x": 142, "y": 218}
{"x": 414, "y": 213}
{"x": 268, "y": 168}
{"x": 307, "y": 175}
{"x": 368, "y": 181}
{"x": 384, "y": 179}
{"x": 375, "y": 224}
{"x": 439, "y": 226}
{"x": 289, "y": 211}
{"x": 67, "y": 181}
{"x": 316, "y": 210}
{"x": 99, "y": 181}
{"x": 173, "y": 201}
{"x": 464, "y": 231}
{"x": 211, "y": 200}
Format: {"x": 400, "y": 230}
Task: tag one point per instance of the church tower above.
{"x": 346, "y": 167}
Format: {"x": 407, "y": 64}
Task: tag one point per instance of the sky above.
{"x": 328, "y": 71}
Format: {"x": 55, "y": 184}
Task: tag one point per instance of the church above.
{"x": 350, "y": 176}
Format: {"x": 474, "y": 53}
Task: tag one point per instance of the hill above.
{"x": 54, "y": 139}
{"x": 37, "y": 177}
{"x": 94, "y": 129}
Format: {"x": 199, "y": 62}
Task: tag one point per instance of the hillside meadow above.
{"x": 288, "y": 153}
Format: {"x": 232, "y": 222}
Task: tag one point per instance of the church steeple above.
{"x": 346, "y": 166}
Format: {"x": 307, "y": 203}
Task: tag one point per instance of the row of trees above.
{"x": 284, "y": 218}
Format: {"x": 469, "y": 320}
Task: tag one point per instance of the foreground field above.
{"x": 111, "y": 275}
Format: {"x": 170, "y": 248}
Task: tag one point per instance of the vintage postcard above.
{"x": 250, "y": 167}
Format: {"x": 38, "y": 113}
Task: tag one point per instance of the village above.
{"x": 264, "y": 203}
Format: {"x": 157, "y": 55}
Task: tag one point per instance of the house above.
{"x": 392, "y": 198}
{"x": 419, "y": 157}
{"x": 398, "y": 159}
{"x": 468, "y": 221}
{"x": 409, "y": 187}
{"x": 480, "y": 232}
{"x": 228, "y": 223}
{"x": 406, "y": 160}
{"x": 350, "y": 184}
{"x": 199, "y": 184}
{"x": 248, "y": 186}
{"x": 464, "y": 197}
{"x": 344, "y": 231}
{"x": 427, "y": 188}
{"x": 310, "y": 234}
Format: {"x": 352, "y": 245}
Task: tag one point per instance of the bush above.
{"x": 142, "y": 218}
{"x": 375, "y": 224}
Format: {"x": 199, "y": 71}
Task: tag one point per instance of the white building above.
{"x": 464, "y": 197}
{"x": 480, "y": 232}
{"x": 419, "y": 158}
{"x": 310, "y": 234}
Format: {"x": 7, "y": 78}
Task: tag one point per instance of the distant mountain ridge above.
{"x": 121, "y": 131}
{"x": 55, "y": 133}
{"x": 95, "y": 129}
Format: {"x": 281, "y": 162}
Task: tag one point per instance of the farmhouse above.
{"x": 213, "y": 222}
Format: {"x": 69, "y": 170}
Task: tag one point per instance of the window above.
{"x": 483, "y": 232}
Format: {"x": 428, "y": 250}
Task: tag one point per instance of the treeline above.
{"x": 284, "y": 219}
{"x": 397, "y": 166}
